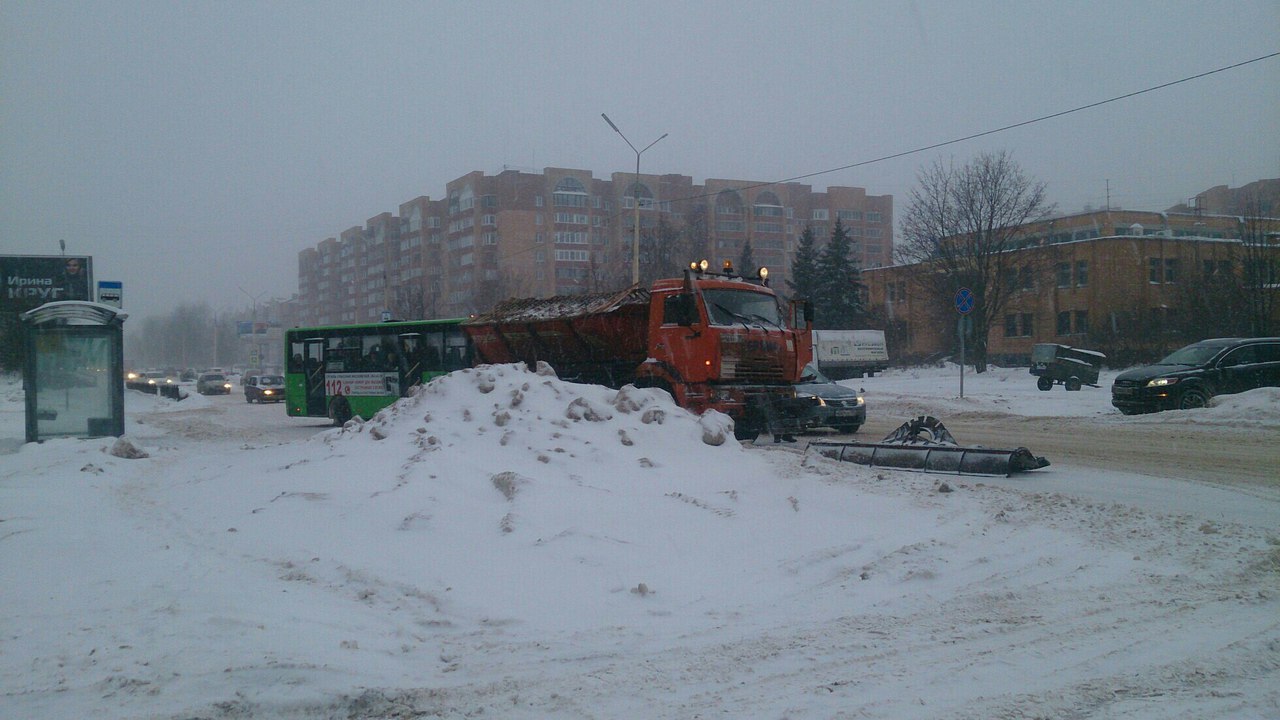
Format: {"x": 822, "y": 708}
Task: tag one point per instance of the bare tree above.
{"x": 1260, "y": 257}
{"x": 505, "y": 285}
{"x": 967, "y": 222}
{"x": 665, "y": 251}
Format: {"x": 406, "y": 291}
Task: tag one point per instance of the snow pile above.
{"x": 506, "y": 544}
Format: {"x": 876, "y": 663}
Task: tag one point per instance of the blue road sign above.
{"x": 965, "y": 300}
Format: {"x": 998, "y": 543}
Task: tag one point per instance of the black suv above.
{"x": 1189, "y": 377}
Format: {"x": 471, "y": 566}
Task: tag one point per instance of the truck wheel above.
{"x": 745, "y": 433}
{"x": 1073, "y": 384}
{"x": 1193, "y": 398}
{"x": 1045, "y": 384}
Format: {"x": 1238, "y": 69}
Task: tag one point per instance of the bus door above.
{"x": 410, "y": 361}
{"x": 313, "y": 371}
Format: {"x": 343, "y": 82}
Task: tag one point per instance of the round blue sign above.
{"x": 964, "y": 300}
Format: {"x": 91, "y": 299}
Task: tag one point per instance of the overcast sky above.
{"x": 195, "y": 148}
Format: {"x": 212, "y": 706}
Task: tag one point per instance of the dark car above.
{"x": 828, "y": 404}
{"x": 264, "y": 388}
{"x": 1187, "y": 378}
{"x": 213, "y": 384}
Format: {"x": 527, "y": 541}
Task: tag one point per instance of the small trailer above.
{"x": 1072, "y": 367}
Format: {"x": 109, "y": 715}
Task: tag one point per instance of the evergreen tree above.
{"x": 804, "y": 268}
{"x": 747, "y": 262}
{"x": 838, "y": 303}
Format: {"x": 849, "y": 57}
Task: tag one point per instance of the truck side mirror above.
{"x": 802, "y": 314}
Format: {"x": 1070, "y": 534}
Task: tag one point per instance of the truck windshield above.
{"x": 734, "y": 307}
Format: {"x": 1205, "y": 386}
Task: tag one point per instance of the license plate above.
{"x": 1122, "y": 392}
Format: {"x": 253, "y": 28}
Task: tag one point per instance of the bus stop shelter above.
{"x": 73, "y": 374}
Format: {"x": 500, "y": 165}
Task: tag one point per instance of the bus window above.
{"x": 434, "y": 350}
{"x": 294, "y": 362}
{"x": 456, "y": 351}
{"x": 343, "y": 354}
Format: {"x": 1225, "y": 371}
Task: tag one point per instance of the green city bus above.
{"x": 341, "y": 371}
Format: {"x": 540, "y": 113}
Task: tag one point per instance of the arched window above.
{"x": 641, "y": 191}
{"x": 768, "y": 205}
{"x": 570, "y": 185}
{"x": 729, "y": 202}
{"x": 569, "y": 192}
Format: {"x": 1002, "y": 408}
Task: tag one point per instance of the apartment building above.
{"x": 1120, "y": 282}
{"x": 563, "y": 231}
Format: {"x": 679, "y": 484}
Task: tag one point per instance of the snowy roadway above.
{"x": 508, "y": 545}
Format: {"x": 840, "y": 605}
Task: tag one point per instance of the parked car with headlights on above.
{"x": 264, "y": 388}
{"x": 213, "y": 384}
{"x": 1188, "y": 377}
{"x": 828, "y": 404}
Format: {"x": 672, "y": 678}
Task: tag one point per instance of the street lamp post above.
{"x": 635, "y": 197}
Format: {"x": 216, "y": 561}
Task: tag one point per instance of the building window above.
{"x": 1028, "y": 328}
{"x": 848, "y": 215}
{"x": 489, "y": 220}
{"x": 873, "y": 216}
{"x": 821, "y": 214}
{"x": 1082, "y": 273}
{"x": 1010, "y": 325}
{"x": 538, "y": 201}
{"x": 1064, "y": 275}
{"x": 1171, "y": 270}
{"x": 1218, "y": 268}
{"x": 1064, "y": 323}
{"x": 1082, "y": 322}
{"x": 1153, "y": 271}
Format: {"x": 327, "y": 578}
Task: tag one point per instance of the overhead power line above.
{"x": 984, "y": 133}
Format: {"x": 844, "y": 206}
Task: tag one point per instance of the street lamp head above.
{"x": 615, "y": 127}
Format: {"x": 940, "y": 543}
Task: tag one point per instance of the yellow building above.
{"x": 1129, "y": 284}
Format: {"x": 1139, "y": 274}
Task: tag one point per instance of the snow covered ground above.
{"x": 508, "y": 545}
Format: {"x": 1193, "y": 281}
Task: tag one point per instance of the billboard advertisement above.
{"x": 29, "y": 281}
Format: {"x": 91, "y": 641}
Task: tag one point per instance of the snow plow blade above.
{"x": 924, "y": 445}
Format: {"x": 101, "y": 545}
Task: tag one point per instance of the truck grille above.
{"x": 752, "y": 369}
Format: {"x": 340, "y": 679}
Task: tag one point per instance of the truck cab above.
{"x": 725, "y": 341}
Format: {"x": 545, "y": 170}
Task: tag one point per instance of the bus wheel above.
{"x": 340, "y": 410}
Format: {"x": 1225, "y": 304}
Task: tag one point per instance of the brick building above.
{"x": 562, "y": 231}
{"x": 1123, "y": 282}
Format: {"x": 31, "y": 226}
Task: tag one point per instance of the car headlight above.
{"x": 151, "y": 381}
{"x": 266, "y": 392}
{"x": 1162, "y": 382}
{"x": 226, "y": 385}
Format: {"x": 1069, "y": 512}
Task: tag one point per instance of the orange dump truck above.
{"x": 713, "y": 340}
